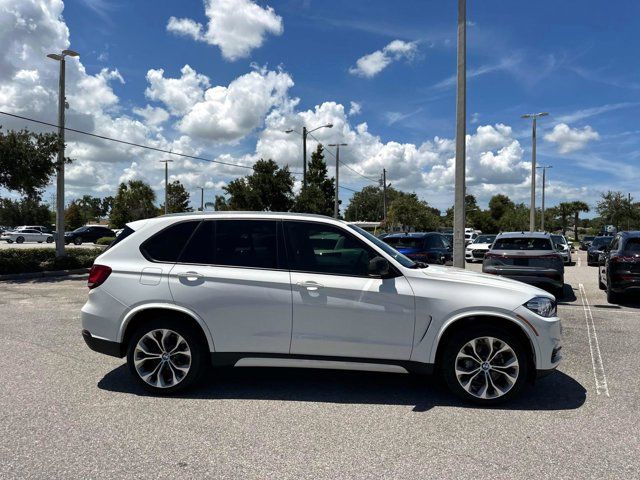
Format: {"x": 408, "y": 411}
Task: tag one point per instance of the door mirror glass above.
{"x": 378, "y": 267}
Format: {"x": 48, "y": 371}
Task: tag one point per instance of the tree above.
{"x": 268, "y": 188}
{"x": 319, "y": 194}
{"x": 73, "y": 216}
{"x": 578, "y": 206}
{"x": 27, "y": 161}
{"x": 134, "y": 201}
{"x": 515, "y": 219}
{"x": 560, "y": 213}
{"x": 409, "y": 211}
{"x": 106, "y": 205}
{"x": 366, "y": 205}
{"x": 26, "y": 211}
{"x": 618, "y": 209}
{"x": 499, "y": 205}
{"x": 178, "y": 198}
{"x": 90, "y": 208}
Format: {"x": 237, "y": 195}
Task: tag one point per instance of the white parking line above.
{"x": 596, "y": 357}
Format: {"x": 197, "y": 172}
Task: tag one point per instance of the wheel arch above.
{"x": 455, "y": 324}
{"x": 145, "y": 313}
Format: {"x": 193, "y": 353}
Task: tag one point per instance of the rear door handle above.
{"x": 190, "y": 275}
{"x": 310, "y": 285}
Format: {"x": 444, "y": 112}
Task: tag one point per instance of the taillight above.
{"x": 97, "y": 275}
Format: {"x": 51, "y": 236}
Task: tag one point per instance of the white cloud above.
{"x": 570, "y": 139}
{"x": 154, "y": 116}
{"x": 236, "y": 26}
{"x": 372, "y": 64}
{"x": 178, "y": 94}
{"x": 355, "y": 108}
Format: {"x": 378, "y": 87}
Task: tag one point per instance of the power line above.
{"x": 156, "y": 149}
{"x": 344, "y": 164}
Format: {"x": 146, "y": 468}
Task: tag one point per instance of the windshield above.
{"x": 81, "y": 229}
{"x": 522, "y": 243}
{"x": 485, "y": 239}
{"x": 558, "y": 239}
{"x": 601, "y": 241}
{"x": 404, "y": 261}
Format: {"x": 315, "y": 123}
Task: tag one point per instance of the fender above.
{"x": 166, "y": 306}
{"x": 484, "y": 313}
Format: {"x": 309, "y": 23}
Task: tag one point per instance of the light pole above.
{"x": 166, "y": 185}
{"x": 544, "y": 183}
{"x": 304, "y": 134}
{"x": 459, "y": 217}
{"x": 62, "y": 103}
{"x": 532, "y": 212}
{"x": 335, "y": 202}
{"x": 201, "y": 199}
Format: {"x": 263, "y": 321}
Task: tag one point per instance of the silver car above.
{"x": 562, "y": 246}
{"x": 180, "y": 293}
{"x": 527, "y": 257}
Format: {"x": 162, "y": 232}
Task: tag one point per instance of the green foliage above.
{"x": 26, "y": 211}
{"x": 619, "y": 210}
{"x": 366, "y": 205}
{"x": 27, "y": 161}
{"x": 73, "y": 217}
{"x": 44, "y": 259}
{"x": 319, "y": 194}
{"x": 134, "y": 201}
{"x": 268, "y": 188}
{"x": 407, "y": 210}
{"x": 178, "y": 198}
{"x": 105, "y": 240}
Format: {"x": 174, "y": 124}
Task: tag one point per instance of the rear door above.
{"x": 338, "y": 309}
{"x": 232, "y": 274}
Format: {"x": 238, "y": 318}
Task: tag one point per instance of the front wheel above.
{"x": 486, "y": 365}
{"x": 20, "y": 240}
{"x": 49, "y": 239}
{"x": 77, "y": 240}
{"x": 166, "y": 356}
{"x": 9, "y": 241}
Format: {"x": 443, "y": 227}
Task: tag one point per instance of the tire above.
{"x": 49, "y": 239}
{"x": 9, "y": 241}
{"x": 612, "y": 297}
{"x": 558, "y": 292}
{"x": 20, "y": 240}
{"x": 601, "y": 285}
{"x": 511, "y": 384}
{"x": 77, "y": 241}
{"x": 172, "y": 328}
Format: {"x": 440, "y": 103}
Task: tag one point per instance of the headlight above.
{"x": 543, "y": 306}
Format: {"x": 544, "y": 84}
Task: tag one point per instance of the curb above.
{"x": 32, "y": 275}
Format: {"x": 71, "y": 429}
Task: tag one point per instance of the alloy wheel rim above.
{"x": 162, "y": 358}
{"x": 487, "y": 367}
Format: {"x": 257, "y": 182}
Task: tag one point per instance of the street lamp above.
{"x": 459, "y": 217}
{"x": 62, "y": 104}
{"x": 532, "y": 213}
{"x": 166, "y": 185}
{"x": 335, "y": 201}
{"x": 306, "y": 132}
{"x": 544, "y": 181}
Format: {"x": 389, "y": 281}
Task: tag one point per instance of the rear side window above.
{"x": 166, "y": 246}
{"x": 522, "y": 243}
{"x": 632, "y": 245}
{"x": 126, "y": 231}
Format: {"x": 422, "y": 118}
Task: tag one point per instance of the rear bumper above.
{"x": 629, "y": 284}
{"x": 548, "y": 277}
{"x": 101, "y": 345}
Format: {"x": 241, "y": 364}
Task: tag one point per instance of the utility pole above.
{"x": 166, "y": 185}
{"x": 336, "y": 201}
{"x": 544, "y": 183}
{"x": 62, "y": 104}
{"x": 532, "y": 212}
{"x": 629, "y": 217}
{"x": 383, "y": 184}
{"x": 201, "y": 199}
{"x": 459, "y": 216}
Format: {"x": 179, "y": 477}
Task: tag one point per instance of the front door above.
{"x": 338, "y": 309}
{"x": 231, "y": 274}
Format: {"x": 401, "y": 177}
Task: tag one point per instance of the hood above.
{"x": 461, "y": 275}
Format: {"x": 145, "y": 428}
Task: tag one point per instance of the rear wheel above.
{"x": 486, "y": 365}
{"x": 601, "y": 284}
{"x": 20, "y": 240}
{"x": 166, "y": 356}
{"x": 49, "y": 239}
{"x": 77, "y": 240}
{"x": 9, "y": 241}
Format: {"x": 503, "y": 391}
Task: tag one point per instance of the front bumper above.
{"x": 546, "y": 339}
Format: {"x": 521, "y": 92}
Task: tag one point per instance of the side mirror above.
{"x": 559, "y": 247}
{"x": 379, "y": 267}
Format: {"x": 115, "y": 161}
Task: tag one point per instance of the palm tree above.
{"x": 577, "y": 207}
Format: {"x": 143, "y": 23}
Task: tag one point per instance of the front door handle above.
{"x": 191, "y": 276}
{"x": 310, "y": 285}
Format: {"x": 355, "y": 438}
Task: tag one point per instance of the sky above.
{"x": 224, "y": 79}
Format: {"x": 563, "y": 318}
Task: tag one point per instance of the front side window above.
{"x": 632, "y": 245}
{"x": 433, "y": 241}
{"x": 393, "y": 253}
{"x": 320, "y": 248}
{"x": 166, "y": 245}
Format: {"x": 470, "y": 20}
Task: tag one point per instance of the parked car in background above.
{"x": 596, "y": 248}
{"x": 26, "y": 235}
{"x": 563, "y": 247}
{"x": 527, "y": 257}
{"x": 474, "y": 252}
{"x": 4, "y": 228}
{"x": 470, "y": 237}
{"x": 585, "y": 243}
{"x": 619, "y": 266}
{"x": 293, "y": 290}
{"x": 448, "y": 238}
{"x": 430, "y": 247}
{"x": 88, "y": 234}
{"x": 40, "y": 228}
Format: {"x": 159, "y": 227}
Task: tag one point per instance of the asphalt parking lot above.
{"x": 67, "y": 412}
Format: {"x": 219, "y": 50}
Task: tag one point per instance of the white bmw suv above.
{"x": 179, "y": 293}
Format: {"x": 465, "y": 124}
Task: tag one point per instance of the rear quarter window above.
{"x": 166, "y": 245}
